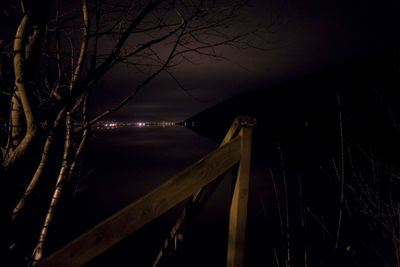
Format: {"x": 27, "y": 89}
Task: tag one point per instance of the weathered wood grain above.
{"x": 198, "y": 200}
{"x": 134, "y": 216}
{"x": 238, "y": 209}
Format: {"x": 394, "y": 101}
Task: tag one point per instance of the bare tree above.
{"x": 61, "y": 50}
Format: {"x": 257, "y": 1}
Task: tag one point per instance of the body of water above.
{"x": 123, "y": 164}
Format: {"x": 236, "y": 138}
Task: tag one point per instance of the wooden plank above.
{"x": 232, "y": 132}
{"x": 199, "y": 200}
{"x": 238, "y": 209}
{"x": 237, "y": 125}
{"x": 134, "y": 216}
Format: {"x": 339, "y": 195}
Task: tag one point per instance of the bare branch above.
{"x": 38, "y": 251}
{"x": 138, "y": 88}
{"x": 39, "y": 169}
{"x": 106, "y": 65}
{"x": 83, "y": 50}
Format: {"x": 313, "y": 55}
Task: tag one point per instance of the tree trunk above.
{"x": 20, "y": 84}
{"x": 38, "y": 251}
{"x": 39, "y": 169}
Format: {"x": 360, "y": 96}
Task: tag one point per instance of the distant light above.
{"x": 111, "y": 125}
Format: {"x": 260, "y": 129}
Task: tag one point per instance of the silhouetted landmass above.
{"x": 303, "y": 114}
{"x": 298, "y": 138}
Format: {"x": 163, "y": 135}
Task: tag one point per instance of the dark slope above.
{"x": 303, "y": 114}
{"x": 301, "y": 117}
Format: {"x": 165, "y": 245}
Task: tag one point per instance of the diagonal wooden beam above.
{"x": 238, "y": 209}
{"x": 172, "y": 243}
{"x": 134, "y": 216}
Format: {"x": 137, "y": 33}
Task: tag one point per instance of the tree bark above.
{"x": 39, "y": 169}
{"x": 16, "y": 122}
{"x": 20, "y": 85}
{"x": 38, "y": 251}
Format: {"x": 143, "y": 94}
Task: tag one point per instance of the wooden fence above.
{"x": 196, "y": 182}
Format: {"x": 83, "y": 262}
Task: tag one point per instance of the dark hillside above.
{"x": 298, "y": 139}
{"x": 303, "y": 114}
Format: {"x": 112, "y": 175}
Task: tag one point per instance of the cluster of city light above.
{"x": 107, "y": 124}
{"x": 114, "y": 124}
{"x": 161, "y": 123}
{"x": 167, "y": 123}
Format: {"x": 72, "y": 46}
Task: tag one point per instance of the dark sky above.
{"x": 311, "y": 35}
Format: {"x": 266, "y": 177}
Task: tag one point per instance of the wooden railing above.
{"x": 197, "y": 182}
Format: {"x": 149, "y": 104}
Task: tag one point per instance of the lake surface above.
{"x": 123, "y": 164}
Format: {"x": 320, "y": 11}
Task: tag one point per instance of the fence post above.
{"x": 238, "y": 209}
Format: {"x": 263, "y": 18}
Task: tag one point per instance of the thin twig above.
{"x": 340, "y": 219}
{"x": 288, "y": 259}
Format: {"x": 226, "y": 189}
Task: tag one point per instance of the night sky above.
{"x": 306, "y": 36}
